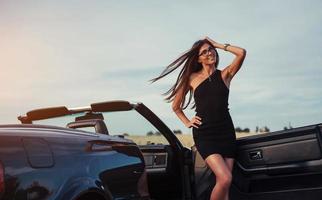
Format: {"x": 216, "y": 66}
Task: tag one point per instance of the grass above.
{"x": 185, "y": 139}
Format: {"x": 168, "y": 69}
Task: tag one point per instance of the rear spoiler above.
{"x": 52, "y": 112}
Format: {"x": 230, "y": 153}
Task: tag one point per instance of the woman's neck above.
{"x": 208, "y": 69}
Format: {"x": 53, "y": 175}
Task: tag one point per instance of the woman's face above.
{"x": 207, "y": 55}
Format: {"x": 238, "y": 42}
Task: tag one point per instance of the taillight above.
{"x": 1, "y": 178}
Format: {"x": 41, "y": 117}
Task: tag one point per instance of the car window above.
{"x": 133, "y": 126}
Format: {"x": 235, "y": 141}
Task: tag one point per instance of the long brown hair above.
{"x": 190, "y": 63}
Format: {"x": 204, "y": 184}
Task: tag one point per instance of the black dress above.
{"x": 216, "y": 134}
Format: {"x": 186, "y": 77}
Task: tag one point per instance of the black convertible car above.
{"x": 87, "y": 155}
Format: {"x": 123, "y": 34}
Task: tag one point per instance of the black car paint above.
{"x": 73, "y": 162}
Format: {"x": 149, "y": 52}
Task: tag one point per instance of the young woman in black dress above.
{"x": 212, "y": 127}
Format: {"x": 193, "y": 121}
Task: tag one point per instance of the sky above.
{"x": 75, "y": 53}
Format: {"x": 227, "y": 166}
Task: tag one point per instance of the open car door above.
{"x": 279, "y": 165}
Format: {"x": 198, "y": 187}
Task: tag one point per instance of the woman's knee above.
{"x": 221, "y": 170}
{"x": 224, "y": 180}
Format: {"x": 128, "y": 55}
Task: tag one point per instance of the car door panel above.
{"x": 155, "y": 157}
{"x": 273, "y": 166}
{"x": 293, "y": 149}
{"x": 162, "y": 171}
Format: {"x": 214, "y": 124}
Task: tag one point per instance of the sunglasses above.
{"x": 206, "y": 51}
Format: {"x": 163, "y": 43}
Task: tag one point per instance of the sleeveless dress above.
{"x": 216, "y": 134}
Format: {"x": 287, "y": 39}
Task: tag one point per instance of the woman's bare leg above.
{"x": 230, "y": 164}
{"x": 223, "y": 176}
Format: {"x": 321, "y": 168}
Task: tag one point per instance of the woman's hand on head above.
{"x": 194, "y": 122}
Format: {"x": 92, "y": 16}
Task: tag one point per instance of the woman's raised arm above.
{"x": 240, "y": 53}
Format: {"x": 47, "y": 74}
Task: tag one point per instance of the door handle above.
{"x": 255, "y": 155}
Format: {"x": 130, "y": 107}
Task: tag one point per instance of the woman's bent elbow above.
{"x": 176, "y": 109}
{"x": 241, "y": 52}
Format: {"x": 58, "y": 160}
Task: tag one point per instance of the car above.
{"x": 88, "y": 154}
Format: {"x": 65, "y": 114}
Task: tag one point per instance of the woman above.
{"x": 212, "y": 127}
